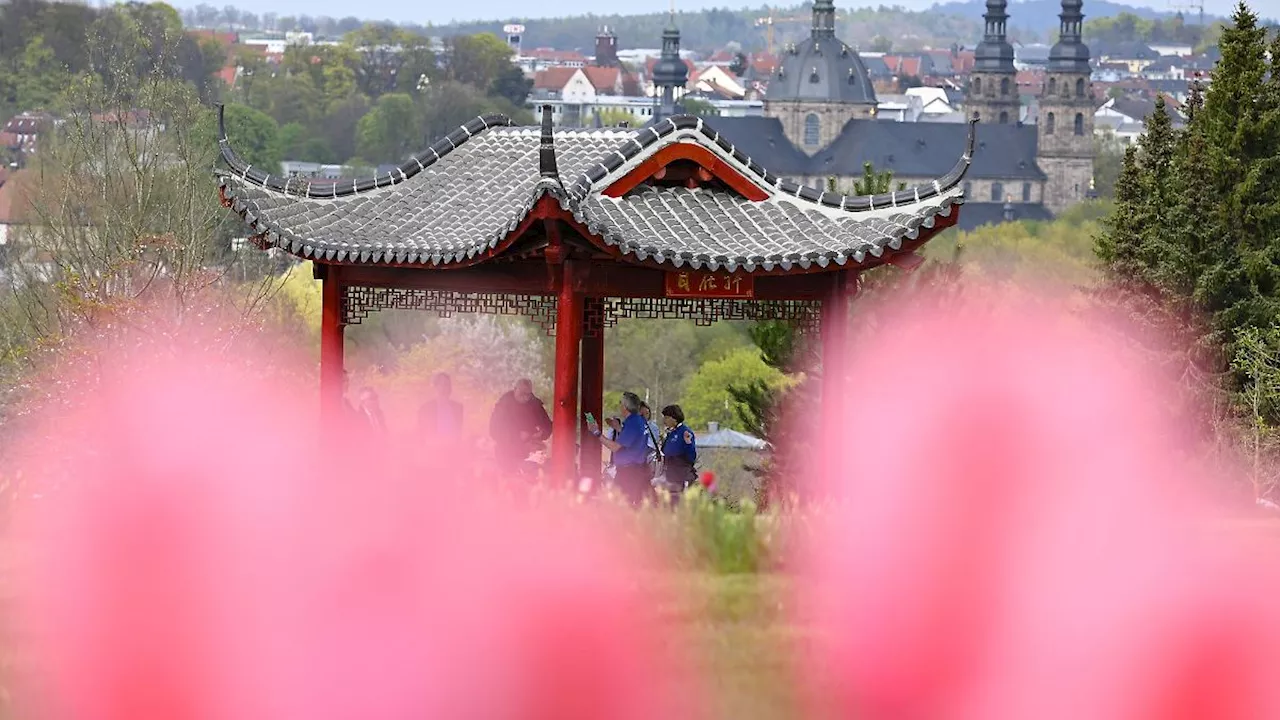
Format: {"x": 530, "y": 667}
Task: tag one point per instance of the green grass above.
{"x": 740, "y": 641}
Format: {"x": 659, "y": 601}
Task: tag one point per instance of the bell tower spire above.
{"x": 1065, "y": 124}
{"x": 993, "y": 84}
{"x": 670, "y": 74}
{"x": 824, "y": 18}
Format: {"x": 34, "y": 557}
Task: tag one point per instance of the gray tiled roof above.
{"x": 468, "y": 192}
{"x": 977, "y": 214}
{"x": 724, "y": 229}
{"x": 910, "y": 150}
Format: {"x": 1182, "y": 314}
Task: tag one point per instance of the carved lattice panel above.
{"x": 598, "y": 313}
{"x": 805, "y": 315}
{"x": 593, "y": 317}
{"x": 359, "y": 302}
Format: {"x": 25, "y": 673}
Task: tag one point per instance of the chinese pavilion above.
{"x": 577, "y": 228}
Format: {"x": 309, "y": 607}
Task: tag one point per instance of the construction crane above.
{"x": 768, "y": 22}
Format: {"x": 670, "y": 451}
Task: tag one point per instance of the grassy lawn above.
{"x": 742, "y": 644}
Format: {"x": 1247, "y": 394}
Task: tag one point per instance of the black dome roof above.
{"x": 821, "y": 69}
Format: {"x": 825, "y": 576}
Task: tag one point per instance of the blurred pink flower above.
{"x": 213, "y": 558}
{"x": 1013, "y": 535}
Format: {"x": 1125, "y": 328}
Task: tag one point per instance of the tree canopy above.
{"x": 1196, "y": 228}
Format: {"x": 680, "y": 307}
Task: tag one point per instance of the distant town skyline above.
{"x": 442, "y": 12}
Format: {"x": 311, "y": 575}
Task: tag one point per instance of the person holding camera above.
{"x": 630, "y": 450}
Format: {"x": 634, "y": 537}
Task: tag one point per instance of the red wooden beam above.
{"x": 707, "y": 161}
{"x": 564, "y": 421}
{"x": 332, "y": 373}
{"x": 592, "y": 383}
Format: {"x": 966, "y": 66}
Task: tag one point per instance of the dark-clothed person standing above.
{"x": 679, "y": 452}
{"x": 630, "y": 451}
{"x": 519, "y": 426}
{"x": 440, "y": 418}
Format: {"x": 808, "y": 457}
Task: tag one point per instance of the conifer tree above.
{"x": 1240, "y": 283}
{"x": 1196, "y": 227}
{"x": 1119, "y": 247}
{"x": 1192, "y": 217}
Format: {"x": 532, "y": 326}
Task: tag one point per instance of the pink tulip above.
{"x": 209, "y": 558}
{"x": 1016, "y": 537}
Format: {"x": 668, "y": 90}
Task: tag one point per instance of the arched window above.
{"x": 1026, "y": 192}
{"x": 1004, "y": 87}
{"x": 1053, "y": 86}
{"x": 1048, "y": 124}
{"x": 812, "y": 129}
{"x": 997, "y": 192}
{"x": 977, "y": 86}
{"x": 1079, "y": 124}
{"x": 1004, "y": 118}
{"x": 1080, "y": 87}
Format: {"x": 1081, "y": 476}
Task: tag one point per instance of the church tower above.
{"x": 1065, "y": 123}
{"x": 670, "y": 74}
{"x": 820, "y": 84}
{"x": 993, "y": 84}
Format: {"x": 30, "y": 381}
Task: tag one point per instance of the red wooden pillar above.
{"x": 564, "y": 423}
{"x": 835, "y": 340}
{"x": 332, "y": 373}
{"x": 589, "y": 458}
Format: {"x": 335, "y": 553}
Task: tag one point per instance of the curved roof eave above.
{"x": 944, "y": 193}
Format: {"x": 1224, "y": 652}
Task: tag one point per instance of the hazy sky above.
{"x": 443, "y": 11}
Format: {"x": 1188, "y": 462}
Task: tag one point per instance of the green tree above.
{"x": 1196, "y": 226}
{"x": 709, "y": 396}
{"x": 651, "y": 357}
{"x": 389, "y": 58}
{"x": 511, "y": 84}
{"x": 298, "y": 143}
{"x": 1119, "y": 246}
{"x": 41, "y": 78}
{"x": 1257, "y": 360}
{"x": 253, "y": 134}
{"x": 615, "y": 118}
{"x": 387, "y": 132}
{"x": 698, "y": 106}
{"x": 476, "y": 59}
{"x": 1108, "y": 159}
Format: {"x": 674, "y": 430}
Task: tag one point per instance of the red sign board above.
{"x": 706, "y": 284}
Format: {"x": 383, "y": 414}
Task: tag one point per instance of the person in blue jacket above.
{"x": 679, "y": 452}
{"x": 630, "y": 451}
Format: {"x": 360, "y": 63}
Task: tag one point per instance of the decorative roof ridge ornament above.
{"x": 547, "y": 167}
{"x": 649, "y": 136}
{"x": 331, "y": 189}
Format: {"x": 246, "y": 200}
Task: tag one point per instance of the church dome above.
{"x": 821, "y": 68}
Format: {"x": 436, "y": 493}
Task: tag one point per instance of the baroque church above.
{"x": 819, "y": 122}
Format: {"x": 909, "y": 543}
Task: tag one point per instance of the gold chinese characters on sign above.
{"x": 704, "y": 284}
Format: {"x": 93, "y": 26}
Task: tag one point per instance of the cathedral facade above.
{"x": 819, "y": 123}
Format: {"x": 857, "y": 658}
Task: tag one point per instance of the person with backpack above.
{"x": 679, "y": 453}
